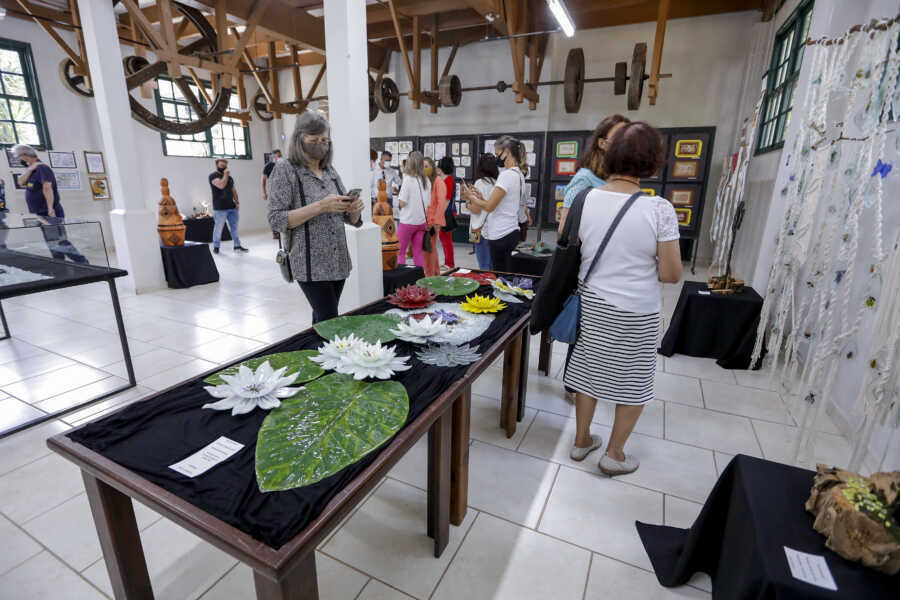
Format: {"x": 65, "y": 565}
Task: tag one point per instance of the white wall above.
{"x": 73, "y": 126}
{"x": 706, "y": 56}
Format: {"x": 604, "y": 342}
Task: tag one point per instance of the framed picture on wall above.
{"x": 464, "y": 148}
{"x": 94, "y": 162}
{"x": 15, "y": 178}
{"x": 11, "y": 159}
{"x": 567, "y": 149}
{"x": 688, "y": 148}
{"x": 566, "y": 166}
{"x": 68, "y": 180}
{"x": 685, "y": 169}
{"x": 267, "y": 157}
{"x": 682, "y": 197}
{"x": 63, "y": 160}
{"x": 99, "y": 188}
{"x": 685, "y": 216}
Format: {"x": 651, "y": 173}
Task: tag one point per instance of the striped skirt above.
{"x": 615, "y": 355}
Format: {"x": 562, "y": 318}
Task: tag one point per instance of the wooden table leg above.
{"x": 120, "y": 540}
{"x": 439, "y": 482}
{"x": 509, "y": 401}
{"x": 546, "y": 350}
{"x": 523, "y": 375}
{"x": 459, "y": 457}
{"x": 298, "y": 584}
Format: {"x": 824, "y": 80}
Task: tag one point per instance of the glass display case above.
{"x": 38, "y": 255}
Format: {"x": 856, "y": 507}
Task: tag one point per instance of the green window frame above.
{"x": 226, "y": 139}
{"x": 22, "y": 116}
{"x": 781, "y": 78}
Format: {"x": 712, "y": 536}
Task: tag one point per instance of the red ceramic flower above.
{"x": 481, "y": 278}
{"x": 412, "y": 296}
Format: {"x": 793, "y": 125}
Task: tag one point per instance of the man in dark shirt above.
{"x": 42, "y": 198}
{"x": 267, "y": 172}
{"x": 225, "y": 205}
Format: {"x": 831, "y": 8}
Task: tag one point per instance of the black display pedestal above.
{"x": 188, "y": 265}
{"x": 401, "y": 276}
{"x": 201, "y": 230}
{"x": 525, "y": 263}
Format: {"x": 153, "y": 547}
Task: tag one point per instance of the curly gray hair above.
{"x": 20, "y": 150}
{"x": 309, "y": 123}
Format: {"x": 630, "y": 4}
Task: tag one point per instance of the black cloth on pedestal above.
{"x": 714, "y": 326}
{"x": 401, "y": 276}
{"x": 755, "y": 510}
{"x": 525, "y": 263}
{"x": 191, "y": 264}
{"x": 201, "y": 230}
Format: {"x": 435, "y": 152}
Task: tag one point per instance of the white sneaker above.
{"x": 613, "y": 467}
{"x": 579, "y": 454}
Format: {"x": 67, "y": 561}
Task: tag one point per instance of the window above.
{"x": 21, "y": 112}
{"x": 782, "y": 78}
{"x": 226, "y": 139}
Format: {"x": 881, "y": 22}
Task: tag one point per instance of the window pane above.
{"x": 779, "y": 130}
{"x": 217, "y": 130}
{"x": 229, "y": 147}
{"x": 165, "y": 88}
{"x": 239, "y": 133}
{"x": 218, "y": 147}
{"x": 184, "y": 113}
{"x": 168, "y": 110}
{"x": 28, "y": 133}
{"x": 22, "y": 111}
{"x": 4, "y": 110}
{"x": 7, "y": 133}
{"x": 788, "y": 100}
{"x": 10, "y": 61}
{"x": 14, "y": 85}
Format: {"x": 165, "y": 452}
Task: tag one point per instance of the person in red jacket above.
{"x": 446, "y": 169}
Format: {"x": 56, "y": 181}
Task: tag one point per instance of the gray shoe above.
{"x": 579, "y": 454}
{"x": 614, "y": 467}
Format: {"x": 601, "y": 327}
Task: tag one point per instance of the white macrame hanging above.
{"x": 833, "y": 220}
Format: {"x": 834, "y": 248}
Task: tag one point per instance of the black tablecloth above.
{"x": 714, "y": 326}
{"x": 148, "y": 436}
{"x": 191, "y": 264}
{"x": 753, "y": 512}
{"x": 402, "y": 275}
{"x": 201, "y": 230}
{"x": 528, "y": 264}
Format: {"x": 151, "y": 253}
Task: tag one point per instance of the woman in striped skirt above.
{"x": 615, "y": 356}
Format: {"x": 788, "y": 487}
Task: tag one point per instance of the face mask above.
{"x": 221, "y": 169}
{"x": 316, "y": 150}
{"x": 387, "y": 164}
{"x": 23, "y": 162}
{"x": 501, "y": 164}
{"x": 429, "y": 171}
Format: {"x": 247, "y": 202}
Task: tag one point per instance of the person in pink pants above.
{"x": 412, "y": 201}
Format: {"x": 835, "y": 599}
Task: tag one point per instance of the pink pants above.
{"x": 411, "y": 234}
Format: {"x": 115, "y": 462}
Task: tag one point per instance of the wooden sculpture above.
{"x": 170, "y": 227}
{"x": 383, "y": 216}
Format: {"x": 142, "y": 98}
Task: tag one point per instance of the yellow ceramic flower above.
{"x": 482, "y": 304}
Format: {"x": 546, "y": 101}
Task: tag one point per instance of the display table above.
{"x": 401, "y": 276}
{"x": 126, "y": 455}
{"x": 200, "y": 229}
{"x": 714, "y": 326}
{"x": 755, "y": 510}
{"x": 188, "y": 265}
{"x": 527, "y": 263}
{"x": 62, "y": 274}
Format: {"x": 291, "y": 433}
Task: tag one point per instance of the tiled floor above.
{"x": 539, "y": 526}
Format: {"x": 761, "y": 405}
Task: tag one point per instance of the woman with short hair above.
{"x": 308, "y": 206}
{"x": 414, "y": 197}
{"x": 615, "y": 356}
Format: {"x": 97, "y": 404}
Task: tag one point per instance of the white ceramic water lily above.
{"x": 247, "y": 389}
{"x": 373, "y": 360}
{"x": 419, "y": 331}
{"x": 334, "y": 353}
{"x": 448, "y": 355}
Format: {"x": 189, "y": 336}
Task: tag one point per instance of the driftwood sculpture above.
{"x": 171, "y": 226}
{"x": 858, "y": 516}
{"x": 383, "y": 216}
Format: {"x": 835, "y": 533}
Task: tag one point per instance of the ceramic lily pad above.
{"x": 372, "y": 328}
{"x": 331, "y": 424}
{"x": 449, "y": 286}
{"x": 296, "y": 362}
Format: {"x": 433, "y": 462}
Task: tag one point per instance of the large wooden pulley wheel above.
{"x": 636, "y": 81}
{"x": 573, "y": 87}
{"x": 373, "y": 106}
{"x": 450, "y": 90}
{"x": 387, "y": 96}
{"x": 261, "y": 107}
{"x": 73, "y": 81}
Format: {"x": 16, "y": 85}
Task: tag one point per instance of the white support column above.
{"x": 346, "y": 54}
{"x": 133, "y": 224}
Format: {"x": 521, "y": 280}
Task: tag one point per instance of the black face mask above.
{"x": 316, "y": 150}
{"x": 222, "y": 170}
{"x": 23, "y": 162}
{"x": 501, "y": 164}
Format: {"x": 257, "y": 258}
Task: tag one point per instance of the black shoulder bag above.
{"x": 427, "y": 241}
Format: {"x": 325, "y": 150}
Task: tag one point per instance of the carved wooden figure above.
{"x": 170, "y": 227}
{"x": 384, "y": 217}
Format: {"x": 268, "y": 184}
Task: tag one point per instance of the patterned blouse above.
{"x": 318, "y": 248}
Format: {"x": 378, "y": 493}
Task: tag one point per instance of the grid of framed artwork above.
{"x": 563, "y": 150}
{"x": 684, "y": 178}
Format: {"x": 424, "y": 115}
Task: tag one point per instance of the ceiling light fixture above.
{"x": 559, "y": 10}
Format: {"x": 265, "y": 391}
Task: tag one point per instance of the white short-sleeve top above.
{"x": 415, "y": 197}
{"x": 627, "y": 275}
{"x": 505, "y": 217}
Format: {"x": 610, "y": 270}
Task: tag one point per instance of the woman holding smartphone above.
{"x": 307, "y": 205}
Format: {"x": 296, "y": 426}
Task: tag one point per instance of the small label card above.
{"x": 810, "y": 568}
{"x": 464, "y": 271}
{"x": 703, "y": 292}
{"x": 206, "y": 458}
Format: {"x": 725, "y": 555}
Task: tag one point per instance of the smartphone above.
{"x": 354, "y": 194}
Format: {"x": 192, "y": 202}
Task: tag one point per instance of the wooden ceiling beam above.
{"x": 590, "y": 14}
{"x": 380, "y": 13}
{"x": 495, "y": 7}
{"x": 456, "y": 19}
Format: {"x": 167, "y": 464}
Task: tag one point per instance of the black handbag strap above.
{"x": 611, "y": 230}
{"x": 573, "y": 219}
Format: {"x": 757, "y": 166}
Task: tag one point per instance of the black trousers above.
{"x": 501, "y": 249}
{"x": 323, "y": 297}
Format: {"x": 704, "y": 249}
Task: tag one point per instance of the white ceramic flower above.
{"x": 419, "y": 331}
{"x": 334, "y": 353}
{"x": 247, "y": 389}
{"x": 373, "y": 360}
{"x": 448, "y": 355}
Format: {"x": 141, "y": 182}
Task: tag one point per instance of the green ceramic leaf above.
{"x": 449, "y": 286}
{"x": 331, "y": 424}
{"x": 371, "y": 328}
{"x": 296, "y": 362}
